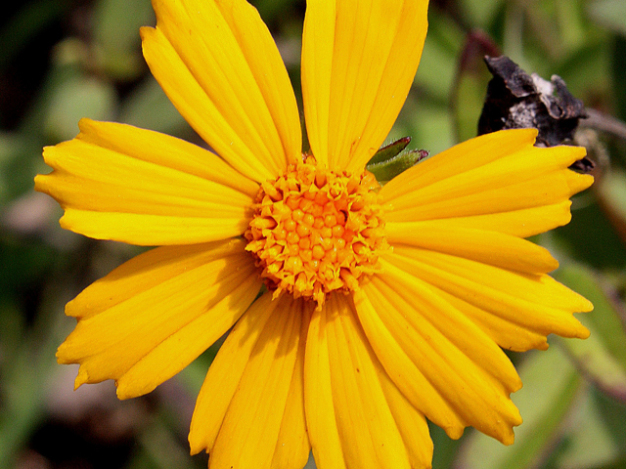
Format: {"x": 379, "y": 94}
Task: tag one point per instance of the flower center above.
{"x": 315, "y": 231}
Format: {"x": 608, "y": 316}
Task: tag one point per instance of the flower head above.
{"x": 384, "y": 306}
{"x": 316, "y": 231}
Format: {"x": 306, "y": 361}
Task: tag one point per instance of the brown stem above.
{"x": 604, "y": 123}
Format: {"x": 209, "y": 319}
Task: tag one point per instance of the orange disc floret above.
{"x": 315, "y": 231}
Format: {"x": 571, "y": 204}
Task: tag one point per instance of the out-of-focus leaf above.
{"x": 613, "y": 415}
{"x": 193, "y": 375}
{"x": 116, "y": 31}
{"x": 31, "y": 18}
{"x": 587, "y": 71}
{"x": 160, "y": 445}
{"x": 78, "y": 97}
{"x": 23, "y": 264}
{"x": 591, "y": 441}
{"x": 22, "y": 403}
{"x": 481, "y": 13}
{"x": 25, "y": 386}
{"x": 602, "y": 356}
{"x": 19, "y": 155}
{"x": 571, "y": 23}
{"x": 149, "y": 108}
{"x": 12, "y": 325}
{"x": 269, "y": 9}
{"x": 428, "y": 123}
{"x": 609, "y": 13}
{"x": 551, "y": 385}
{"x": 618, "y": 74}
{"x": 468, "y": 101}
{"x": 445, "y": 448}
{"x": 589, "y": 238}
{"x": 470, "y": 86}
{"x": 11, "y": 145}
{"x": 513, "y": 34}
{"x": 425, "y": 116}
{"x": 439, "y": 58}
{"x": 611, "y": 191}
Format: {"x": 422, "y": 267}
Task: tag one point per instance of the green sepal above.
{"x": 386, "y": 169}
{"x": 389, "y": 151}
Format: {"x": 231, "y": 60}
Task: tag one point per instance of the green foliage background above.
{"x": 61, "y": 60}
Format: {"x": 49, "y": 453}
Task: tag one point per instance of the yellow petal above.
{"x": 320, "y": 409}
{"x": 126, "y": 184}
{"x": 411, "y": 423}
{"x": 225, "y": 373}
{"x": 218, "y": 64}
{"x": 507, "y": 334}
{"x": 488, "y": 247}
{"x": 521, "y": 223}
{"x": 406, "y": 374}
{"x": 259, "y": 423}
{"x": 152, "y": 316}
{"x": 444, "y": 356}
{"x": 293, "y": 446}
{"x": 349, "y": 419}
{"x": 463, "y": 157}
{"x": 537, "y": 302}
{"x": 514, "y": 176}
{"x": 359, "y": 59}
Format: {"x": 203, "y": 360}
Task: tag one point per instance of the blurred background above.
{"x": 61, "y": 60}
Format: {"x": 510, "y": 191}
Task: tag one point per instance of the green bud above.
{"x": 389, "y": 161}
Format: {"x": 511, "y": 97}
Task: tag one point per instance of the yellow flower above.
{"x": 384, "y": 306}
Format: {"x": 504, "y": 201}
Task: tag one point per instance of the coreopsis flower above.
{"x": 381, "y": 307}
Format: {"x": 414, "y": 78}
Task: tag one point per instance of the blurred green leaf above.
{"x": 618, "y": 74}
{"x": 481, "y": 13}
{"x": 11, "y": 146}
{"x": 589, "y": 238}
{"x": 161, "y": 448}
{"x": 193, "y": 375}
{"x": 551, "y": 385}
{"x": 432, "y": 131}
{"x": 590, "y": 439}
{"x": 23, "y": 264}
{"x": 439, "y": 58}
{"x": 12, "y": 325}
{"x": 78, "y": 97}
{"x": 468, "y": 101}
{"x": 22, "y": 404}
{"x": 587, "y": 71}
{"x": 25, "y": 385}
{"x": 19, "y": 157}
{"x": 25, "y": 24}
{"x": 611, "y": 191}
{"x": 613, "y": 415}
{"x": 609, "y": 13}
{"x": 116, "y": 31}
{"x": 269, "y": 9}
{"x": 602, "y": 356}
{"x": 513, "y": 34}
{"x": 570, "y": 20}
{"x": 148, "y": 107}
{"x": 470, "y": 87}
{"x": 445, "y": 448}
